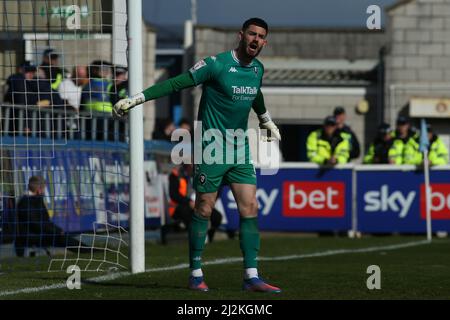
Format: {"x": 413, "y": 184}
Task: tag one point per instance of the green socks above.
{"x": 249, "y": 241}
{"x": 197, "y": 236}
{"x": 248, "y": 238}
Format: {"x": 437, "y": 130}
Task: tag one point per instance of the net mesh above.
{"x": 58, "y": 83}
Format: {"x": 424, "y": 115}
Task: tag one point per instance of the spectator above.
{"x": 40, "y": 92}
{"x": 346, "y": 132}
{"x": 182, "y": 199}
{"x": 185, "y": 124}
{"x": 94, "y": 96}
{"x": 95, "y": 99}
{"x": 164, "y": 129}
{"x": 34, "y": 227}
{"x": 401, "y": 137}
{"x": 51, "y": 69}
{"x": 379, "y": 150}
{"x": 20, "y": 83}
{"x": 326, "y": 146}
{"x": 437, "y": 151}
{"x": 70, "y": 87}
{"x": 118, "y": 88}
{"x": 16, "y": 84}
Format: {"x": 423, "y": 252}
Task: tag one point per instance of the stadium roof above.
{"x": 320, "y": 73}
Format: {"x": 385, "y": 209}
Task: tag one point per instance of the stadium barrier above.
{"x": 363, "y": 198}
{"x": 88, "y": 181}
{"x": 300, "y": 197}
{"x": 60, "y": 123}
{"x": 392, "y": 199}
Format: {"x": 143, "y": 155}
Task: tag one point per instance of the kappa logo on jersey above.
{"x": 232, "y": 69}
{"x": 198, "y": 65}
{"x": 256, "y": 70}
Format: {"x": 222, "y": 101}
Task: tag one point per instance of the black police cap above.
{"x": 330, "y": 121}
{"x": 402, "y": 120}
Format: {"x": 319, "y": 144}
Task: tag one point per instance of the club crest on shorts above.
{"x": 202, "y": 178}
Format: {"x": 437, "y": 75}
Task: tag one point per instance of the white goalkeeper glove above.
{"x": 265, "y": 122}
{"x": 123, "y": 106}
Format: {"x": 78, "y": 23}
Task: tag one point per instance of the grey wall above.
{"x": 418, "y": 60}
{"x": 299, "y": 43}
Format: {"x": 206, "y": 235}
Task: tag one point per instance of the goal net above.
{"x": 64, "y": 162}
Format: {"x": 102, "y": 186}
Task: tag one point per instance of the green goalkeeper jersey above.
{"x": 229, "y": 89}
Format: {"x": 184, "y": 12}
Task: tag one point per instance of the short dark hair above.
{"x": 338, "y": 110}
{"x": 35, "y": 182}
{"x": 256, "y": 22}
{"x": 29, "y": 68}
{"x": 384, "y": 128}
{"x": 51, "y": 54}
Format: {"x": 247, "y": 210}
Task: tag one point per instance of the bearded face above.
{"x": 252, "y": 40}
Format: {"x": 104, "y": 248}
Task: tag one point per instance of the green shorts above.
{"x": 209, "y": 177}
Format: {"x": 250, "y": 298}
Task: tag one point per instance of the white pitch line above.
{"x": 118, "y": 275}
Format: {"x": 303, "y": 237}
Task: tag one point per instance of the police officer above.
{"x": 378, "y": 152}
{"x": 19, "y": 84}
{"x": 94, "y": 95}
{"x": 402, "y": 136}
{"x": 118, "y": 88}
{"x": 437, "y": 151}
{"x": 346, "y": 132}
{"x": 50, "y": 62}
{"x": 325, "y": 146}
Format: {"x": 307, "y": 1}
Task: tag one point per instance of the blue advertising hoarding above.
{"x": 87, "y": 182}
{"x": 299, "y": 199}
{"x": 394, "y": 201}
{"x": 84, "y": 185}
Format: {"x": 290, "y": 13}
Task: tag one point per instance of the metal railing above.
{"x": 60, "y": 123}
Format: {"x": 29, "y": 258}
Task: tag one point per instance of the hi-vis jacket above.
{"x": 397, "y": 151}
{"x": 320, "y": 149}
{"x": 95, "y": 96}
{"x": 437, "y": 152}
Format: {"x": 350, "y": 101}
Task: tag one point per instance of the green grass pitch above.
{"x": 305, "y": 267}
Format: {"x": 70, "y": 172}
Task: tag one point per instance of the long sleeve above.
{"x": 258, "y": 104}
{"x": 342, "y": 152}
{"x": 369, "y": 157}
{"x": 312, "y": 147}
{"x": 438, "y": 153}
{"x": 169, "y": 86}
{"x": 355, "y": 148}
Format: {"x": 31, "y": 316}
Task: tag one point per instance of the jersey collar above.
{"x": 235, "y": 58}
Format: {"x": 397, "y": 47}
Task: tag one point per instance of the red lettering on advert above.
{"x": 440, "y": 201}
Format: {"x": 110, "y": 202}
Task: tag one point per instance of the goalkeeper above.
{"x": 231, "y": 88}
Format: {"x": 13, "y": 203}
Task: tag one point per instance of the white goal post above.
{"x": 137, "y": 225}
